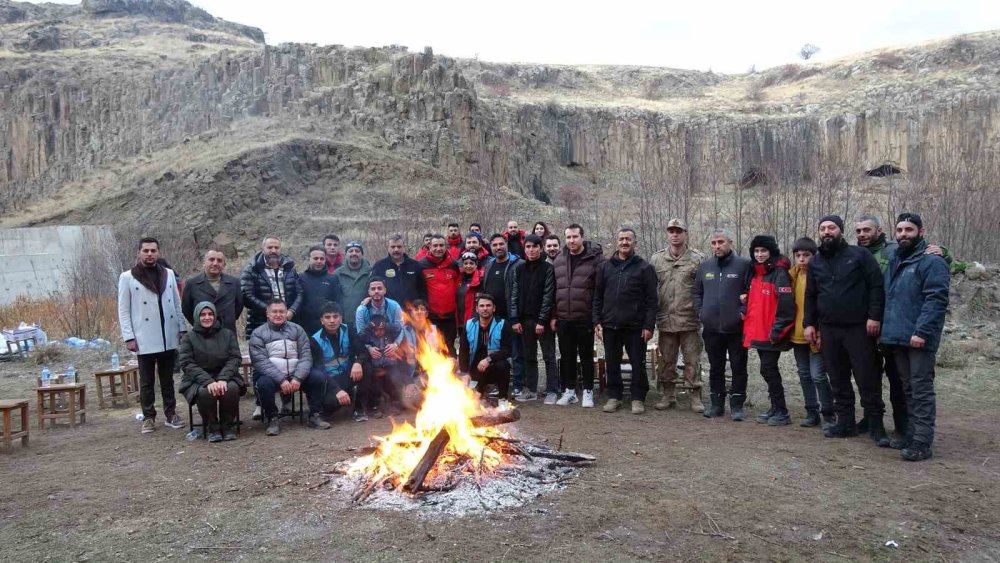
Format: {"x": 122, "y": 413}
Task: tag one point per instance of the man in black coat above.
{"x": 319, "y": 287}
{"x": 403, "y": 275}
{"x": 843, "y": 316}
{"x": 532, "y": 295}
{"x": 625, "y": 306}
{"x": 218, "y": 288}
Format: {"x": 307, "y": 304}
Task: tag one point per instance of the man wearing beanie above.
{"x": 916, "y": 299}
{"x": 844, "y": 299}
{"x": 353, "y": 277}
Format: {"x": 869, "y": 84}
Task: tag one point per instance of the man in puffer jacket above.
{"x": 916, "y": 289}
{"x": 270, "y": 275}
{"x": 769, "y": 321}
{"x": 281, "y": 357}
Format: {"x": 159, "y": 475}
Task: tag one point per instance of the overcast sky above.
{"x": 726, "y": 36}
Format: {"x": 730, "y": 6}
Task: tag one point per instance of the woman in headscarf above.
{"x": 210, "y": 358}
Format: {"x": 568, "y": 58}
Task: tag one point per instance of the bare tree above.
{"x": 807, "y": 51}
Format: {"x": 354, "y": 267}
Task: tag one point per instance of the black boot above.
{"x": 811, "y": 419}
{"x": 718, "y": 406}
{"x": 862, "y": 426}
{"x": 829, "y": 419}
{"x": 876, "y": 431}
{"x": 736, "y": 408}
{"x": 901, "y": 423}
{"x": 844, "y": 428}
{"x": 916, "y": 451}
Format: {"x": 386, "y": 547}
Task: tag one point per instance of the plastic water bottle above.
{"x": 115, "y": 362}
{"x": 70, "y": 375}
{"x": 46, "y": 377}
{"x": 193, "y": 435}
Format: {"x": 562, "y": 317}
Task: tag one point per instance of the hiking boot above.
{"x": 763, "y": 417}
{"x": 257, "y": 413}
{"x": 916, "y": 451}
{"x": 318, "y": 423}
{"x": 696, "y": 404}
{"x": 736, "y": 408}
{"x": 876, "y": 431}
{"x": 174, "y": 422}
{"x": 811, "y": 419}
{"x": 779, "y": 418}
{"x": 526, "y": 396}
{"x": 829, "y": 419}
{"x": 215, "y": 436}
{"x": 588, "y": 399}
{"x": 900, "y": 443}
{"x": 666, "y": 403}
{"x": 612, "y": 405}
{"x": 551, "y": 398}
{"x": 716, "y": 408}
{"x": 360, "y": 416}
{"x": 148, "y": 426}
{"x": 845, "y": 429}
{"x": 568, "y": 398}
{"x": 272, "y": 427}
{"x": 638, "y": 407}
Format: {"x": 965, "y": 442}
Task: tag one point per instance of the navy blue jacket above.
{"x": 717, "y": 289}
{"x": 317, "y": 288}
{"x": 404, "y": 283}
{"x": 916, "y": 298}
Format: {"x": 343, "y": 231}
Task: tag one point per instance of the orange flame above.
{"x": 447, "y": 403}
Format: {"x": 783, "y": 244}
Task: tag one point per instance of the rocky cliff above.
{"x": 88, "y": 87}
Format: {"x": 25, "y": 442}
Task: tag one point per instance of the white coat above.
{"x": 139, "y": 314}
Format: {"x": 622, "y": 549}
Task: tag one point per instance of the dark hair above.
{"x": 554, "y": 237}
{"x": 315, "y": 248}
{"x": 544, "y": 226}
{"x": 496, "y": 235}
{"x": 428, "y": 235}
{"x": 450, "y": 225}
{"x": 440, "y": 236}
{"x": 331, "y": 307}
{"x": 148, "y": 240}
{"x": 377, "y": 321}
{"x": 628, "y": 230}
{"x": 276, "y": 301}
{"x": 486, "y": 296}
{"x": 418, "y": 303}
{"x": 575, "y": 226}
{"x": 475, "y": 225}
{"x": 379, "y": 279}
{"x": 331, "y": 237}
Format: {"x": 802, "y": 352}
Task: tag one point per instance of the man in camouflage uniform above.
{"x": 677, "y": 320}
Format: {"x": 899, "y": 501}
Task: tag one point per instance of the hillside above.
{"x": 117, "y": 104}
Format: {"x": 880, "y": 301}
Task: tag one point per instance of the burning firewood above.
{"x": 427, "y": 462}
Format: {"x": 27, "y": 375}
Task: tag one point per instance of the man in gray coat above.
{"x": 279, "y": 350}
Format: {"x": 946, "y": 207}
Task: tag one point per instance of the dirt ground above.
{"x": 667, "y": 485}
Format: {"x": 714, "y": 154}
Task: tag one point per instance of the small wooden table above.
{"x": 76, "y": 403}
{"x": 127, "y": 377}
{"x": 9, "y": 435}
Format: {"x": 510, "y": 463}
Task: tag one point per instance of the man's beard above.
{"x": 827, "y": 245}
{"x": 906, "y": 245}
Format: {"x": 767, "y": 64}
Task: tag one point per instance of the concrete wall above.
{"x": 33, "y": 260}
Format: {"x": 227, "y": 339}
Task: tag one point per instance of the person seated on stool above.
{"x": 485, "y": 348}
{"x": 281, "y": 357}
{"x": 337, "y": 370}
{"x": 210, "y": 359}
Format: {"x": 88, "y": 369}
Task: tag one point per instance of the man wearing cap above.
{"x": 353, "y": 276}
{"x": 404, "y": 283}
{"x": 844, "y": 300}
{"x": 916, "y": 300}
{"x": 676, "y": 317}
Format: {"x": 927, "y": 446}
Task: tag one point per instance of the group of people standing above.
{"x": 346, "y": 332}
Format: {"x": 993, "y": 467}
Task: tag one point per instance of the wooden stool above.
{"x": 128, "y": 379}
{"x": 75, "y": 405}
{"x": 245, "y": 369}
{"x": 8, "y": 432}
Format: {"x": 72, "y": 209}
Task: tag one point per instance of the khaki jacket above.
{"x": 675, "y": 283}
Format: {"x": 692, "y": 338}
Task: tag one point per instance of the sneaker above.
{"x": 148, "y": 425}
{"x": 229, "y": 435}
{"x": 765, "y": 416}
{"x": 780, "y": 418}
{"x": 174, "y": 422}
{"x": 316, "y": 422}
{"x": 568, "y": 398}
{"x": 257, "y": 413}
{"x": 517, "y": 392}
{"x": 916, "y": 452}
{"x": 551, "y": 398}
{"x": 638, "y": 407}
{"x": 360, "y": 416}
{"x": 272, "y": 427}
{"x": 215, "y": 436}
{"x": 588, "y": 399}
{"x": 612, "y": 405}
{"x": 526, "y": 396}
{"x": 811, "y": 419}
{"x": 375, "y": 413}
{"x": 666, "y": 403}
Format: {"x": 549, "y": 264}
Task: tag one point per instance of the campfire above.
{"x": 455, "y": 443}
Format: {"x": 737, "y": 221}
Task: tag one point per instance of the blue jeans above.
{"x": 813, "y": 379}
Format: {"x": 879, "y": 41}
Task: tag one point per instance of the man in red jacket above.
{"x": 334, "y": 257}
{"x": 456, "y": 244}
{"x": 441, "y": 276}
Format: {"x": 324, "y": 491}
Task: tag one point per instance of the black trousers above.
{"x": 322, "y": 396}
{"x": 718, "y": 345}
{"x": 449, "y": 331}
{"x": 387, "y": 380}
{"x": 497, "y": 374}
{"x": 916, "y": 368}
{"x": 149, "y": 365}
{"x": 772, "y": 375}
{"x": 847, "y": 350}
{"x": 576, "y": 337}
{"x": 219, "y": 413}
{"x": 631, "y": 341}
{"x": 897, "y": 394}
